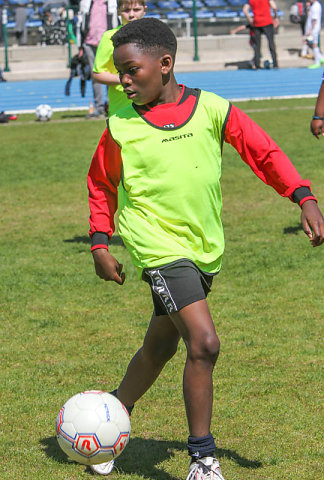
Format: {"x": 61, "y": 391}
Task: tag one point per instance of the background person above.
{"x": 104, "y": 70}
{"x": 94, "y": 15}
{"x": 250, "y": 28}
{"x": 263, "y": 24}
{"x": 21, "y": 27}
{"x": 313, "y": 30}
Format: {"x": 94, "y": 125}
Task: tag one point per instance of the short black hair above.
{"x": 148, "y": 34}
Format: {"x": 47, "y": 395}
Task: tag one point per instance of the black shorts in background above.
{"x": 176, "y": 285}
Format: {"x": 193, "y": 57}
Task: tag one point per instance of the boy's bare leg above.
{"x": 194, "y": 324}
{"x": 160, "y": 344}
{"x": 196, "y": 327}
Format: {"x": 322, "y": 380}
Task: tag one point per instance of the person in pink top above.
{"x": 259, "y": 15}
{"x": 95, "y": 21}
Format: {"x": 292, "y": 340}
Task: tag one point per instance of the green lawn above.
{"x": 64, "y": 330}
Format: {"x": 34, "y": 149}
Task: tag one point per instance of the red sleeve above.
{"x": 103, "y": 179}
{"x": 262, "y": 154}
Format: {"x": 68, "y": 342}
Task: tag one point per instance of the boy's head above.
{"x": 144, "y": 53}
{"x": 148, "y": 34}
{"x": 130, "y": 10}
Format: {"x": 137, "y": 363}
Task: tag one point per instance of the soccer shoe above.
{"x": 206, "y": 468}
{"x": 315, "y": 65}
{"x": 103, "y": 468}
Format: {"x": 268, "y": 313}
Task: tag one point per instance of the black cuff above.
{"x": 99, "y": 238}
{"x": 300, "y": 193}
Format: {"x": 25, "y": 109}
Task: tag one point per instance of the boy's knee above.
{"x": 207, "y": 349}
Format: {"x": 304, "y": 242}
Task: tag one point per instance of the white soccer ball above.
{"x": 93, "y": 427}
{"x": 43, "y": 113}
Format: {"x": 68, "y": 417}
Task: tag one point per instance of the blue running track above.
{"x": 18, "y": 97}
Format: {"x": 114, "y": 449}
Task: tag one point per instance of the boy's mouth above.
{"x": 130, "y": 93}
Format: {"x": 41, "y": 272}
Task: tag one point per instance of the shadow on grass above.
{"x": 76, "y": 115}
{"x": 115, "y": 240}
{"x": 144, "y": 456}
{"x": 293, "y": 230}
{"x": 242, "y": 65}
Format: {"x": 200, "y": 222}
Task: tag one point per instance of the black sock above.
{"x": 199, "y": 447}
{"x": 129, "y": 409}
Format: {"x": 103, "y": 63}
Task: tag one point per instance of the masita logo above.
{"x": 177, "y": 137}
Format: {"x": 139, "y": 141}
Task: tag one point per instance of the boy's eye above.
{"x": 132, "y": 70}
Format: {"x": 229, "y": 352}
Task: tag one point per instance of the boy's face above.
{"x": 142, "y": 73}
{"x": 130, "y": 11}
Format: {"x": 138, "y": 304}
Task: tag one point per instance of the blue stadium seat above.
{"x": 33, "y": 23}
{"x": 236, "y": 3}
{"x": 202, "y": 14}
{"x": 226, "y": 14}
{"x": 177, "y": 15}
{"x": 15, "y": 3}
{"x": 168, "y": 5}
{"x": 188, "y": 4}
{"x": 32, "y": 19}
{"x": 153, "y": 15}
{"x": 215, "y": 3}
{"x": 152, "y": 10}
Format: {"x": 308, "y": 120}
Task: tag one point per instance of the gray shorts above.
{"x": 176, "y": 285}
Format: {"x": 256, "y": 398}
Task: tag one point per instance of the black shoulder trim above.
{"x": 224, "y": 125}
{"x": 189, "y": 91}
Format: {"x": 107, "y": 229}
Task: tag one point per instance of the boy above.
{"x": 104, "y": 70}
{"x": 165, "y": 149}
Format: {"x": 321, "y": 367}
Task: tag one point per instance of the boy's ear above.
{"x": 166, "y": 64}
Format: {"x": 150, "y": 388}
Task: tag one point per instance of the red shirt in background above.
{"x": 262, "y": 12}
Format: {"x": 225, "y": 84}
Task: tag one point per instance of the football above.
{"x": 93, "y": 427}
{"x": 43, "y": 113}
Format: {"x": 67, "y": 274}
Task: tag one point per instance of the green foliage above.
{"x": 63, "y": 330}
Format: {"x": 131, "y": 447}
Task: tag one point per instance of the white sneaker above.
{"x": 206, "y": 468}
{"x": 103, "y": 468}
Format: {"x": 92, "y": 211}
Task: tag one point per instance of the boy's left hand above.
{"x": 313, "y": 222}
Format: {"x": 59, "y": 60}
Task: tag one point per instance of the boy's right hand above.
{"x": 107, "y": 267}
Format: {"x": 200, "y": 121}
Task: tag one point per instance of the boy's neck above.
{"x": 170, "y": 93}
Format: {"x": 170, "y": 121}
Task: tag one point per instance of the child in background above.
{"x": 165, "y": 149}
{"x": 104, "y": 70}
{"x": 249, "y": 27}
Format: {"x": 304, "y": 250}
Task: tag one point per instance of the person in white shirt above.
{"x": 313, "y": 30}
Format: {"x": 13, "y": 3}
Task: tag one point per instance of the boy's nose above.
{"x": 125, "y": 79}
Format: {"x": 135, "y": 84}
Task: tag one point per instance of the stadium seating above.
{"x": 210, "y": 14}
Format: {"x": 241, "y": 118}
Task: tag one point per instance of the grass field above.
{"x": 64, "y": 330}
